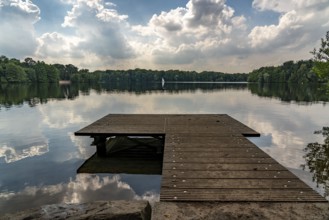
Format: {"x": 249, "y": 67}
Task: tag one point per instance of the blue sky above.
{"x": 220, "y": 35}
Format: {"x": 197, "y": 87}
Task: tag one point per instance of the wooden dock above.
{"x": 207, "y": 158}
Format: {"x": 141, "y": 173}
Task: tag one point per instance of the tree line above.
{"x": 290, "y": 71}
{"x": 29, "y": 70}
{"x": 15, "y": 71}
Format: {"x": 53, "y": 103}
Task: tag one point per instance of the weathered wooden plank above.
{"x": 209, "y": 139}
{"x": 213, "y": 149}
{"x": 216, "y": 154}
{"x": 220, "y": 160}
{"x": 278, "y": 195}
{"x": 119, "y": 130}
{"x": 222, "y": 167}
{"x": 293, "y": 183}
{"x": 200, "y": 131}
{"x": 205, "y": 174}
{"x": 204, "y": 145}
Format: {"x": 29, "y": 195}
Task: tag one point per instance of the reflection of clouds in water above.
{"x": 59, "y": 116}
{"x": 84, "y": 109}
{"x": 84, "y": 188}
{"x": 22, "y": 137}
{"x": 13, "y": 154}
{"x": 279, "y": 138}
{"x": 91, "y": 187}
{"x": 285, "y": 146}
{"x": 84, "y": 150}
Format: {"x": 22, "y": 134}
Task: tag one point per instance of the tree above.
{"x": 31, "y": 75}
{"x": 15, "y": 73}
{"x": 41, "y": 72}
{"x": 321, "y": 58}
{"x": 28, "y": 62}
{"x": 52, "y": 74}
{"x": 3, "y": 59}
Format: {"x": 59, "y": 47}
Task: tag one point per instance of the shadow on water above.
{"x": 317, "y": 160}
{"x": 130, "y": 155}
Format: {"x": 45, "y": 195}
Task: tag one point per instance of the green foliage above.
{"x": 41, "y": 72}
{"x": 66, "y": 71}
{"x": 52, "y": 73}
{"x": 38, "y": 71}
{"x": 299, "y": 72}
{"x": 145, "y": 76}
{"x": 31, "y": 75}
{"x": 15, "y": 73}
{"x": 29, "y": 62}
{"x": 322, "y": 70}
{"x": 321, "y": 59}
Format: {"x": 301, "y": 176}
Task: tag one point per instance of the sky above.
{"x": 201, "y": 35}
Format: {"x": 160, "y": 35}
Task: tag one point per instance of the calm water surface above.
{"x": 39, "y": 154}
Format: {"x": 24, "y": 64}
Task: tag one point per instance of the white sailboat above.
{"x": 163, "y": 82}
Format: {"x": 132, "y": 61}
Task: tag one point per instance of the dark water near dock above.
{"x": 39, "y": 154}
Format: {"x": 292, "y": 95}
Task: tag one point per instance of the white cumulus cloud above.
{"x": 100, "y": 29}
{"x": 17, "y": 36}
{"x": 97, "y": 36}
{"x": 197, "y": 31}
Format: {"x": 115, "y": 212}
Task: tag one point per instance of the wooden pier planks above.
{"x": 208, "y": 158}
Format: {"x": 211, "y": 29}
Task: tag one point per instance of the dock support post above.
{"x": 100, "y": 142}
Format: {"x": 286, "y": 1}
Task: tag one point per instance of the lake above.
{"x": 39, "y": 154}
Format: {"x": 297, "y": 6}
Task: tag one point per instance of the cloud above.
{"x": 185, "y": 35}
{"x": 99, "y": 28}
{"x": 57, "y": 46}
{"x": 17, "y": 37}
{"x": 276, "y": 35}
{"x": 300, "y": 23}
{"x": 93, "y": 35}
{"x": 283, "y": 6}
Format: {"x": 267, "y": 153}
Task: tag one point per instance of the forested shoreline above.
{"x": 30, "y": 71}
{"x": 14, "y": 71}
{"x": 290, "y": 71}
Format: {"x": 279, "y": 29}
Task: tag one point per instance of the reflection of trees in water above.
{"x": 34, "y": 94}
{"x": 317, "y": 159}
{"x": 287, "y": 92}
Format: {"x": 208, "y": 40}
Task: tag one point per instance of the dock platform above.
{"x": 206, "y": 157}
